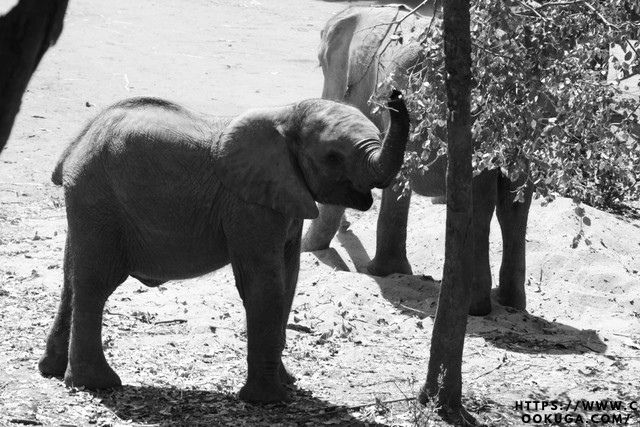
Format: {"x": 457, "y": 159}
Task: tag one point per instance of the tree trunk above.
{"x": 26, "y": 32}
{"x": 444, "y": 377}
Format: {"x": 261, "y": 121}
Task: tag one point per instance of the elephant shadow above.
{"x": 504, "y": 327}
{"x": 356, "y": 251}
{"x": 171, "y": 406}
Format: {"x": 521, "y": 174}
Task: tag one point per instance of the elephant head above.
{"x": 287, "y": 157}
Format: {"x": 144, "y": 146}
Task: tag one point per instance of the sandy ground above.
{"x": 357, "y": 339}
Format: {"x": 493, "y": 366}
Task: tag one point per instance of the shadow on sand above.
{"x": 168, "y": 406}
{"x": 504, "y": 327}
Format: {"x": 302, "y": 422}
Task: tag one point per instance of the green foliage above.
{"x": 541, "y": 103}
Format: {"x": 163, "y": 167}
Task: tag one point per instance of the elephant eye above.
{"x": 333, "y": 158}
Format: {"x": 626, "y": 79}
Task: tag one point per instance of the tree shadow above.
{"x": 170, "y": 406}
{"x": 522, "y": 332}
{"x": 504, "y": 327}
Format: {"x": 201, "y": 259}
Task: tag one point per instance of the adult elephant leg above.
{"x": 292, "y": 268}
{"x": 322, "y": 229}
{"x": 513, "y": 222}
{"x": 391, "y": 236}
{"x": 95, "y": 269}
{"x": 53, "y": 362}
{"x": 484, "y": 202}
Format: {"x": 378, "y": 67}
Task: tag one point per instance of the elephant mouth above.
{"x": 361, "y": 201}
{"x": 349, "y": 197}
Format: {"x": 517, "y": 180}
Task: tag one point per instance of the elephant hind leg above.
{"x": 292, "y": 268}
{"x": 323, "y": 228}
{"x": 513, "y": 223}
{"x": 484, "y": 202}
{"x": 53, "y": 362}
{"x": 95, "y": 265}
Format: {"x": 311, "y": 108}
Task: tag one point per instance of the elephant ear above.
{"x": 254, "y": 162}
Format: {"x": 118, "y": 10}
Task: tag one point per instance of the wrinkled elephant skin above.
{"x": 157, "y": 192}
{"x": 357, "y": 52}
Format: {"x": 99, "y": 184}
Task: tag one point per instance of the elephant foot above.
{"x": 92, "y": 377}
{"x": 510, "y": 298}
{"x": 481, "y": 307}
{"x": 480, "y": 304}
{"x": 314, "y": 242}
{"x": 381, "y": 266}
{"x": 52, "y": 364}
{"x": 285, "y": 376}
{"x": 263, "y": 391}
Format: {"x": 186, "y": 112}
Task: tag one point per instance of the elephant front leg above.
{"x": 322, "y": 229}
{"x": 391, "y": 236}
{"x": 261, "y": 285}
{"x": 484, "y": 201}
{"x": 513, "y": 218}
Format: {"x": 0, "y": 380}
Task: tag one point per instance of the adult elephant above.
{"x": 156, "y": 192}
{"x": 360, "y": 49}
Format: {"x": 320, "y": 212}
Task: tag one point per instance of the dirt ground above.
{"x": 356, "y": 342}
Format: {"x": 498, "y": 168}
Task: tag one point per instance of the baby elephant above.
{"x": 156, "y": 192}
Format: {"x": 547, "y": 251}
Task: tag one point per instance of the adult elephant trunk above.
{"x": 384, "y": 162}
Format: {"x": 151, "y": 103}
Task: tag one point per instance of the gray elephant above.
{"x": 156, "y": 192}
{"x": 359, "y": 49}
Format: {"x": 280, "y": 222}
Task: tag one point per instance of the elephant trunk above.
{"x": 385, "y": 161}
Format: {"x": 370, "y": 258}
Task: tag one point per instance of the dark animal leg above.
{"x": 261, "y": 285}
{"x": 53, "y": 362}
{"x": 484, "y": 202}
{"x": 513, "y": 222}
{"x": 292, "y": 267}
{"x": 391, "y": 237}
{"x": 322, "y": 229}
{"x": 95, "y": 269}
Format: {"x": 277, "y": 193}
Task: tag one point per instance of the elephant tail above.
{"x": 56, "y": 176}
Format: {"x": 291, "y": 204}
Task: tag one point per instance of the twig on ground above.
{"x": 621, "y": 335}
{"x": 386, "y": 381}
{"x": 558, "y": 3}
{"x": 383, "y": 402}
{"x": 163, "y": 322}
{"x": 22, "y": 184}
{"x": 113, "y": 313}
{"x": 489, "y": 371}
{"x": 415, "y": 310}
{"x": 25, "y": 421}
{"x": 299, "y": 328}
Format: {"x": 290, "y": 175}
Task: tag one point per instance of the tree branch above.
{"x": 602, "y": 18}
